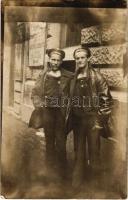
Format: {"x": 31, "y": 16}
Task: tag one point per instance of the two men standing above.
{"x": 85, "y": 83}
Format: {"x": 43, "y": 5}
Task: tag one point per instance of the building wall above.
{"x": 34, "y": 51}
{"x": 8, "y": 64}
{"x": 6, "y": 72}
{"x": 107, "y": 43}
{"x": 29, "y": 58}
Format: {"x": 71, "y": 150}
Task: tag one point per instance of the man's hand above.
{"x": 104, "y": 111}
{"x": 97, "y": 126}
{"x": 37, "y": 102}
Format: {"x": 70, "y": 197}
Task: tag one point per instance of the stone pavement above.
{"x": 24, "y": 172}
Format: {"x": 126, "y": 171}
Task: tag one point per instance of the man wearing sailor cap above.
{"x": 51, "y": 85}
{"x": 91, "y": 99}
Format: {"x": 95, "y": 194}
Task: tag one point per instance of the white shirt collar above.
{"x": 82, "y": 75}
{"x": 56, "y": 74}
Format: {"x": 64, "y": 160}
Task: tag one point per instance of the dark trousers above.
{"x": 55, "y": 139}
{"x": 87, "y": 146}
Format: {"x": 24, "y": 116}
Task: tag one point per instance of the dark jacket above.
{"x": 98, "y": 87}
{"x": 38, "y": 91}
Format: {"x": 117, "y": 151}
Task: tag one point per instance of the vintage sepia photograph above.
{"x": 64, "y": 99}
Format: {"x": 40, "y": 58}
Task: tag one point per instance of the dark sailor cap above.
{"x": 83, "y": 49}
{"x": 57, "y": 51}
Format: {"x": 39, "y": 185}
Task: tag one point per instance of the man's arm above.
{"x": 37, "y": 91}
{"x": 105, "y": 98}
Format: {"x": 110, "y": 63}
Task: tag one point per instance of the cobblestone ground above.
{"x": 24, "y": 171}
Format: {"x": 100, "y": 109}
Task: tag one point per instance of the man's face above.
{"x": 55, "y": 61}
{"x": 81, "y": 59}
